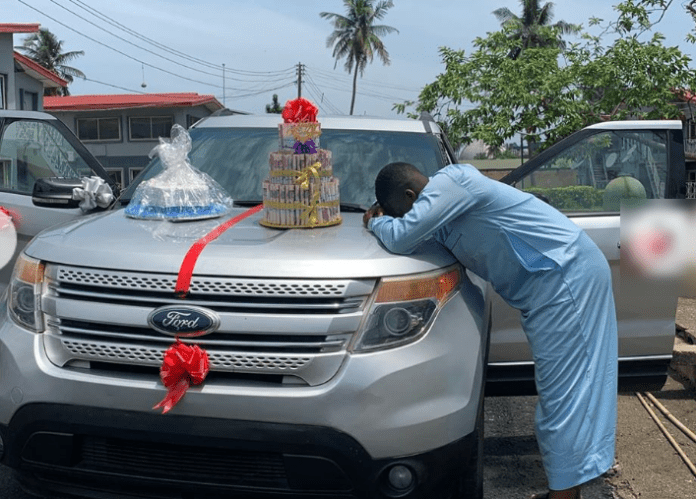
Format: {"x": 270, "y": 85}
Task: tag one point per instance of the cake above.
{"x": 300, "y": 191}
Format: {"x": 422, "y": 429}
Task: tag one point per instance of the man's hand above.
{"x": 374, "y": 211}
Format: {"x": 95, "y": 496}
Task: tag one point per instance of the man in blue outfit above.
{"x": 545, "y": 266}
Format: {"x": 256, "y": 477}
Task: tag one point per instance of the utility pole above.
{"x": 299, "y": 80}
{"x": 223, "y": 84}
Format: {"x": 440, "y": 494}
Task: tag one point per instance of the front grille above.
{"x": 153, "y": 356}
{"x": 299, "y": 328}
{"x": 216, "y": 286}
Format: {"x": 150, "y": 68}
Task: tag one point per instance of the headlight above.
{"x": 24, "y": 300}
{"x": 404, "y": 307}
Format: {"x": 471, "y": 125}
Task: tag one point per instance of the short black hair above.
{"x": 394, "y": 178}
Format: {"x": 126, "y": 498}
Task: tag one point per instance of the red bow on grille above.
{"x": 182, "y": 365}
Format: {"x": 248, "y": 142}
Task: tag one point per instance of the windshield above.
{"x": 237, "y": 158}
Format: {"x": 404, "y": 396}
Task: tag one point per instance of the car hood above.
{"x": 348, "y": 250}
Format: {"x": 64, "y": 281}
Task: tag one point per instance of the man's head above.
{"x": 397, "y": 186}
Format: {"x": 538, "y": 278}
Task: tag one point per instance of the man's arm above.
{"x": 441, "y": 201}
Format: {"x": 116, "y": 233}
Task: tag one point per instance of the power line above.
{"x": 152, "y": 52}
{"x": 333, "y": 109}
{"x": 365, "y": 81}
{"x": 131, "y": 57}
{"x": 202, "y": 62}
{"x": 259, "y": 92}
{"x": 114, "y": 86}
{"x": 118, "y": 51}
{"x": 375, "y": 95}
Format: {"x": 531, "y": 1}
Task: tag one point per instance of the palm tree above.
{"x": 44, "y": 48}
{"x": 357, "y": 38}
{"x": 526, "y": 27}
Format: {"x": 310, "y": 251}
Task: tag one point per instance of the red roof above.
{"x": 19, "y": 27}
{"x": 127, "y": 101}
{"x": 37, "y": 71}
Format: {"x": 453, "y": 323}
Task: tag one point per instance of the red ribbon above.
{"x": 183, "y": 282}
{"x": 183, "y": 364}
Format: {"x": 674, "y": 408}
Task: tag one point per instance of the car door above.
{"x": 585, "y": 177}
{"x": 30, "y": 149}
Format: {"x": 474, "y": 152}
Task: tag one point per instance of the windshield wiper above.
{"x": 246, "y": 203}
{"x": 346, "y": 207}
{"x": 353, "y": 208}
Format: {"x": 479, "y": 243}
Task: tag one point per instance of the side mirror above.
{"x": 55, "y": 192}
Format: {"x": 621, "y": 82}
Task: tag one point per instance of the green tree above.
{"x": 546, "y": 94}
{"x": 356, "y": 37}
{"x": 45, "y": 49}
{"x": 274, "y": 107}
{"x": 525, "y": 29}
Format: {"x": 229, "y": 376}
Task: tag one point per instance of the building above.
{"x": 687, "y": 105}
{"x": 22, "y": 81}
{"x": 121, "y": 130}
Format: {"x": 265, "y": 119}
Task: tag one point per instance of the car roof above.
{"x": 37, "y": 115}
{"x": 637, "y": 124}
{"x": 327, "y": 122}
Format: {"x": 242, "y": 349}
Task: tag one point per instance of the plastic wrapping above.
{"x": 180, "y": 192}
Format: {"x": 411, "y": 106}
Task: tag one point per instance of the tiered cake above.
{"x": 301, "y": 191}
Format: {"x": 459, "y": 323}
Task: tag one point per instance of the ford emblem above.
{"x": 183, "y": 321}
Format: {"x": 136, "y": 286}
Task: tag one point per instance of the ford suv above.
{"x": 337, "y": 369}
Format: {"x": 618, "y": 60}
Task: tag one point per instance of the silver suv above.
{"x": 337, "y": 368}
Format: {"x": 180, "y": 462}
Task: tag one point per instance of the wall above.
{"x": 7, "y": 68}
{"x": 24, "y": 83}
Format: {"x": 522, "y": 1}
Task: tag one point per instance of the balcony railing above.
{"x": 691, "y": 190}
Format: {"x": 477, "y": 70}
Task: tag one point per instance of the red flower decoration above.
{"x": 182, "y": 365}
{"x": 299, "y": 110}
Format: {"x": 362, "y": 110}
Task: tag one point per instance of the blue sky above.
{"x": 261, "y": 42}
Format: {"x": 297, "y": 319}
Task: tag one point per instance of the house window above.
{"x": 116, "y": 174}
{"x": 93, "y": 129}
{"x": 150, "y": 128}
{"x": 134, "y": 172}
{"x": 28, "y": 101}
{"x": 191, "y": 120}
{"x": 3, "y": 92}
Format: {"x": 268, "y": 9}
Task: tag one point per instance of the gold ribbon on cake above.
{"x": 310, "y": 212}
{"x": 302, "y": 131}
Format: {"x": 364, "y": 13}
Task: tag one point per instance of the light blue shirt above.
{"x": 495, "y": 230}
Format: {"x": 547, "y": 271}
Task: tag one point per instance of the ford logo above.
{"x": 183, "y": 321}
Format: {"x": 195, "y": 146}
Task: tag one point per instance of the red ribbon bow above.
{"x": 299, "y": 110}
{"x": 182, "y": 365}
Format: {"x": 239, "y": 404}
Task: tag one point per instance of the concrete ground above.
{"x": 648, "y": 466}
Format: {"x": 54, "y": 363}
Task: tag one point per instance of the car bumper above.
{"x": 97, "y": 452}
{"x": 417, "y": 402}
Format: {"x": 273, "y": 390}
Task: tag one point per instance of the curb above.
{"x": 683, "y": 365}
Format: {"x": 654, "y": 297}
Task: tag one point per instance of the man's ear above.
{"x": 411, "y": 194}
